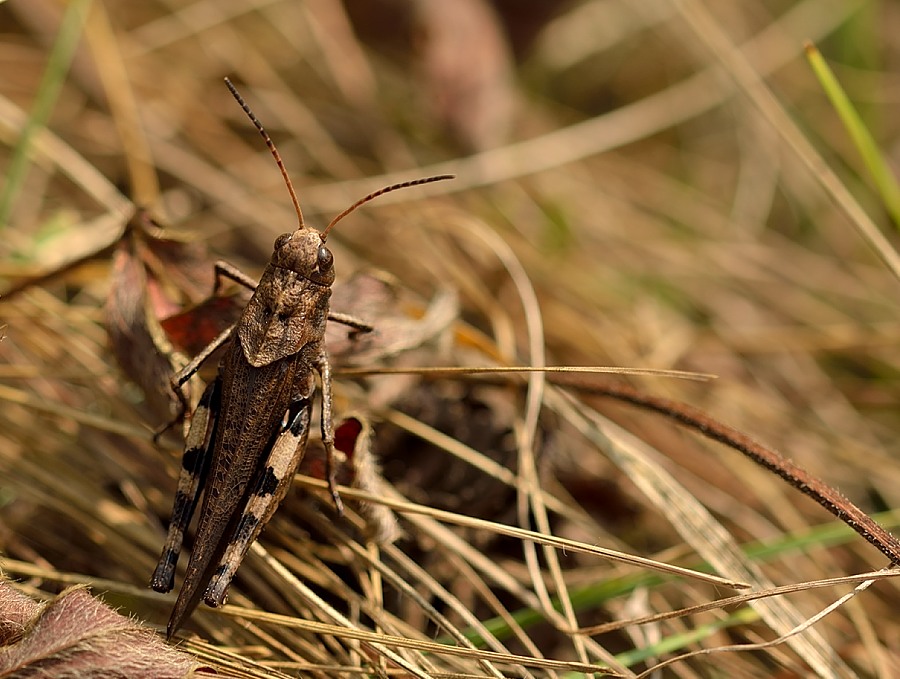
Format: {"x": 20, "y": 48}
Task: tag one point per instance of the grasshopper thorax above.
{"x": 289, "y": 308}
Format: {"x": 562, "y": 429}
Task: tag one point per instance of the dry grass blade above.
{"x": 546, "y": 539}
{"x": 626, "y": 202}
{"x": 645, "y": 117}
{"x": 452, "y": 371}
{"x": 55, "y": 151}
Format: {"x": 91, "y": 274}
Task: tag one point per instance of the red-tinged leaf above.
{"x": 191, "y": 330}
{"x": 77, "y": 636}
{"x": 356, "y": 467}
{"x": 346, "y": 435}
{"x": 16, "y": 609}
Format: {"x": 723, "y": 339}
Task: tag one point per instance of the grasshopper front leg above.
{"x": 178, "y": 379}
{"x": 273, "y": 483}
{"x": 323, "y": 366}
{"x": 194, "y": 467}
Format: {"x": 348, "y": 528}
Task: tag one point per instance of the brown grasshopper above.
{"x": 249, "y": 431}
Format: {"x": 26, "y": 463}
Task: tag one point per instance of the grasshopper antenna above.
{"x": 271, "y": 145}
{"x": 381, "y": 192}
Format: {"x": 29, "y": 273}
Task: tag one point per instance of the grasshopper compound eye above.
{"x": 326, "y": 259}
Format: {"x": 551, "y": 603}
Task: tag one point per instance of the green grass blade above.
{"x": 859, "y": 133}
{"x": 57, "y": 67}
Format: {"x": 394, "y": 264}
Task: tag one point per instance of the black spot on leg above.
{"x": 296, "y": 419}
{"x": 192, "y": 460}
{"x": 268, "y": 483}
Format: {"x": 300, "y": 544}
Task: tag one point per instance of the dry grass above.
{"x": 629, "y": 193}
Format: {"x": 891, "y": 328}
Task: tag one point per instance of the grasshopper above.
{"x": 249, "y": 431}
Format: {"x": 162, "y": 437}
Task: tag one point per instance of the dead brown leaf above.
{"x": 153, "y": 276}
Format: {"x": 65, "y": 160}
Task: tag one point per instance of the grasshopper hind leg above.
{"x": 272, "y": 485}
{"x": 194, "y": 468}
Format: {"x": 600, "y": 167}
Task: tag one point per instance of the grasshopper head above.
{"x": 304, "y": 253}
{"x": 289, "y": 307}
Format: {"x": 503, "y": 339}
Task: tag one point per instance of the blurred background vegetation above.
{"x": 670, "y": 178}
